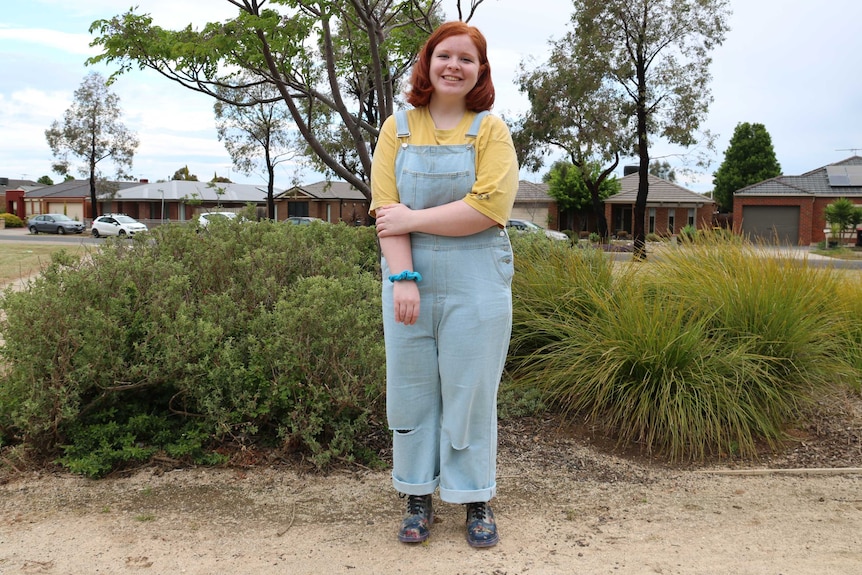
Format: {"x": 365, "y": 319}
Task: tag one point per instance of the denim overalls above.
{"x": 442, "y": 373}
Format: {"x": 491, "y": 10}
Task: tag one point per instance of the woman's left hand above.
{"x": 393, "y": 220}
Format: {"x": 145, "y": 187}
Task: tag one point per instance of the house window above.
{"x": 622, "y": 218}
{"x": 691, "y": 212}
{"x": 671, "y": 221}
{"x": 651, "y": 229}
{"x": 299, "y": 209}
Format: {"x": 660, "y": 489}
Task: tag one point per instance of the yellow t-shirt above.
{"x": 493, "y": 193}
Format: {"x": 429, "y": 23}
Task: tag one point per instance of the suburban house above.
{"x": 790, "y": 209}
{"x": 669, "y": 207}
{"x": 334, "y": 201}
{"x": 17, "y": 188}
{"x": 533, "y": 203}
{"x": 181, "y": 200}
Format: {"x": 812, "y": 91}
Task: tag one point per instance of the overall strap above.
{"x": 402, "y": 127}
{"x": 477, "y": 121}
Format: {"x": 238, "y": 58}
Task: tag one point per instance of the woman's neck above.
{"x": 446, "y": 115}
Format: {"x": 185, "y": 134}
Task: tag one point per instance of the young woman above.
{"x": 443, "y": 181}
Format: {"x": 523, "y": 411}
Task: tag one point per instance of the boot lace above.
{"x": 417, "y": 505}
{"x": 477, "y": 512}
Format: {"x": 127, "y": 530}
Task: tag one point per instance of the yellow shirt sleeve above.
{"x": 493, "y": 193}
{"x": 496, "y": 185}
{"x": 383, "y": 189}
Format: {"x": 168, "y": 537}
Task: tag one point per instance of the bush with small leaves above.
{"x": 257, "y": 330}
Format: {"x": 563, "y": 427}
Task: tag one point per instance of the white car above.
{"x": 205, "y": 218}
{"x": 528, "y": 226}
{"x": 116, "y": 225}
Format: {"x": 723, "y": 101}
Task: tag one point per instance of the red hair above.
{"x": 481, "y": 97}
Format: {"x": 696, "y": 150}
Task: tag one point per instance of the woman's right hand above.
{"x": 406, "y": 300}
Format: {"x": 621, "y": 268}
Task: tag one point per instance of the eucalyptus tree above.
{"x": 337, "y": 65}
{"x": 92, "y": 132}
{"x": 258, "y": 136}
{"x": 662, "y": 169}
{"x": 575, "y": 113}
{"x": 649, "y": 59}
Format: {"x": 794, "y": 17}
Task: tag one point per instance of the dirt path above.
{"x": 562, "y": 508}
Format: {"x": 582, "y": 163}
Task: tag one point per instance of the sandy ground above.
{"x": 562, "y": 507}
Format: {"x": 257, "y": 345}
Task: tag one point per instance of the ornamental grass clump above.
{"x": 701, "y": 351}
{"x": 848, "y": 297}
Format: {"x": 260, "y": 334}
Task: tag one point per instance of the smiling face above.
{"x": 454, "y": 68}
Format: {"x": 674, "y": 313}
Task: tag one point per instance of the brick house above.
{"x": 334, "y": 201}
{"x": 533, "y": 203}
{"x": 12, "y": 194}
{"x": 790, "y": 209}
{"x": 669, "y": 207}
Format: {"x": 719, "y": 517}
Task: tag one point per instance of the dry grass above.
{"x": 18, "y": 260}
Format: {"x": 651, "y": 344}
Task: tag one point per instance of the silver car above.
{"x": 54, "y": 224}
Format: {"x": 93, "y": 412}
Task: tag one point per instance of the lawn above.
{"x": 26, "y": 258}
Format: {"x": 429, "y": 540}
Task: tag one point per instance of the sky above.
{"x": 791, "y": 66}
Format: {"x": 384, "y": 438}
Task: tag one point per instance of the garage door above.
{"x": 771, "y": 224}
{"x": 73, "y": 210}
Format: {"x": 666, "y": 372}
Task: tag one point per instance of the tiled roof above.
{"x": 10, "y": 184}
{"x": 176, "y": 190}
{"x": 532, "y": 192}
{"x": 813, "y": 183}
{"x": 661, "y": 192}
{"x": 335, "y": 190}
{"x": 173, "y": 190}
{"x": 70, "y": 189}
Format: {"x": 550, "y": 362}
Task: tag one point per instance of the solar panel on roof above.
{"x": 855, "y": 175}
{"x": 844, "y": 176}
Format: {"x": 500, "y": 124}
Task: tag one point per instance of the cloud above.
{"x": 67, "y": 42}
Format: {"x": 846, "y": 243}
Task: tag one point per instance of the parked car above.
{"x": 205, "y": 218}
{"x": 54, "y": 224}
{"x": 525, "y": 226}
{"x": 302, "y": 220}
{"x": 116, "y": 225}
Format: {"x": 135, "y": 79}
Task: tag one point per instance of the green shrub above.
{"x": 256, "y": 330}
{"x": 704, "y": 351}
{"x": 12, "y": 221}
{"x": 688, "y": 233}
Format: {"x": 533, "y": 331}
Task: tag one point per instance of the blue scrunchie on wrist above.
{"x": 406, "y": 276}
